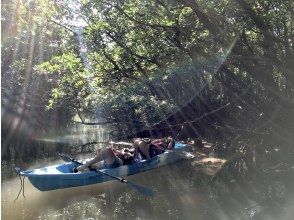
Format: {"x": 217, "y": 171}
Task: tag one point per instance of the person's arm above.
{"x": 156, "y": 141}
{"x": 170, "y": 145}
{"x": 121, "y": 144}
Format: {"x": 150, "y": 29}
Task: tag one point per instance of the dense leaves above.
{"x": 29, "y": 37}
{"x": 220, "y": 70}
{"x": 217, "y": 69}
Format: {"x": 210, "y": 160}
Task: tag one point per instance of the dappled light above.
{"x": 215, "y": 79}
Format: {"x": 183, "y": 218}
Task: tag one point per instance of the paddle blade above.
{"x": 185, "y": 155}
{"x": 65, "y": 157}
{"x": 142, "y": 189}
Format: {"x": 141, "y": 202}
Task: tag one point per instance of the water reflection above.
{"x": 181, "y": 193}
{"x": 191, "y": 189}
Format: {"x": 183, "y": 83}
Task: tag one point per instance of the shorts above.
{"x": 154, "y": 151}
{"x": 117, "y": 163}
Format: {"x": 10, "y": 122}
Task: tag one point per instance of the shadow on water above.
{"x": 182, "y": 192}
{"x": 111, "y": 199}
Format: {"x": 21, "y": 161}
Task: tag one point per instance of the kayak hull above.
{"x": 61, "y": 176}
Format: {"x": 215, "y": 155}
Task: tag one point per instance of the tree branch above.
{"x": 62, "y": 25}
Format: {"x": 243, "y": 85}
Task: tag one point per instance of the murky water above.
{"x": 181, "y": 193}
{"x": 109, "y": 200}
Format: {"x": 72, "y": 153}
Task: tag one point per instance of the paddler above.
{"x": 109, "y": 158}
{"x": 150, "y": 148}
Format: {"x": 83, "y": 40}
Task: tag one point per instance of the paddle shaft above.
{"x": 123, "y": 180}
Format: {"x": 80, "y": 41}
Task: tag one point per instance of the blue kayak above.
{"x": 61, "y": 176}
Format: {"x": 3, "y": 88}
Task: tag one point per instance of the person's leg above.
{"x": 98, "y": 166}
{"x": 143, "y": 146}
{"x": 105, "y": 154}
{"x": 108, "y": 155}
{"x": 116, "y": 163}
{"x": 110, "y": 160}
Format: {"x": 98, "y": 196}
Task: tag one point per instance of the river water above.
{"x": 183, "y": 191}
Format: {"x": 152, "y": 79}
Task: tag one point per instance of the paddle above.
{"x": 141, "y": 189}
{"x": 185, "y": 154}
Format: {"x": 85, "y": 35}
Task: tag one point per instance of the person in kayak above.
{"x": 149, "y": 149}
{"x": 109, "y": 158}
